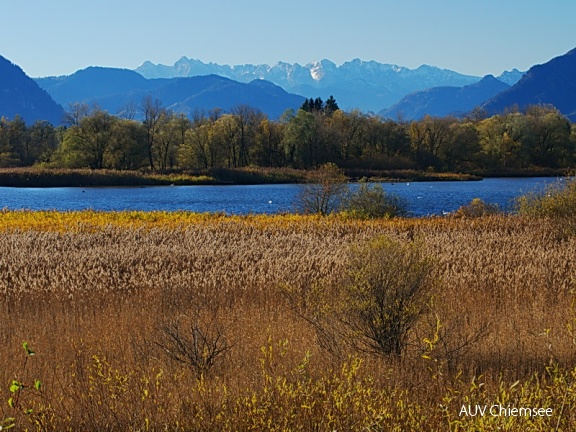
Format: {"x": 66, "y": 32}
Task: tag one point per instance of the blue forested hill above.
{"x": 20, "y": 95}
{"x": 115, "y": 89}
{"x": 443, "y": 101}
{"x": 549, "y": 83}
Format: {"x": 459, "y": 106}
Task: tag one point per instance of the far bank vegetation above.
{"x": 147, "y": 136}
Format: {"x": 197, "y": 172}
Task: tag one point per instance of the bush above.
{"x": 373, "y": 202}
{"x": 558, "y": 200}
{"x": 198, "y": 343}
{"x": 324, "y": 192}
{"x": 477, "y": 208}
{"x": 385, "y": 293}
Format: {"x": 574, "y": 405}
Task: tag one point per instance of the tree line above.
{"x": 317, "y": 133}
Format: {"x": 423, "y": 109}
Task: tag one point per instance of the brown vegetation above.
{"x": 167, "y": 322}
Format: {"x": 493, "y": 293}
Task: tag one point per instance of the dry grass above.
{"x": 94, "y": 294}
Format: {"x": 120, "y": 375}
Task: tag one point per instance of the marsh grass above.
{"x": 93, "y": 293}
{"x": 557, "y": 200}
{"x": 59, "y": 177}
{"x": 47, "y": 177}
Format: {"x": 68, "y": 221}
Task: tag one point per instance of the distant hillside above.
{"x": 367, "y": 85}
{"x": 443, "y": 101}
{"x": 550, "y": 83}
{"x": 93, "y": 83}
{"x": 115, "y": 89}
{"x": 20, "y": 95}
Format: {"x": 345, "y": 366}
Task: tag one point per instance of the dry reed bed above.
{"x": 79, "y": 285}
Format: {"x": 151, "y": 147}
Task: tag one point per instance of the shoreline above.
{"x": 46, "y": 177}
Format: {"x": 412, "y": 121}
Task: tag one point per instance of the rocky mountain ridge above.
{"x": 366, "y": 85}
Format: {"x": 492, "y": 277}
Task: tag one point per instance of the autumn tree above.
{"x": 387, "y": 137}
{"x": 19, "y": 142}
{"x": 247, "y": 120}
{"x": 501, "y": 139}
{"x": 347, "y": 133}
{"x": 128, "y": 148}
{"x": 417, "y": 134}
{"x": 225, "y": 135}
{"x": 201, "y": 147}
{"x": 43, "y": 143}
{"x": 548, "y": 136}
{"x": 168, "y": 139}
{"x": 305, "y": 140}
{"x": 323, "y": 193}
{"x": 76, "y": 112}
{"x": 154, "y": 118}
{"x": 437, "y": 135}
{"x": 268, "y": 150}
{"x": 461, "y": 151}
{"x": 86, "y": 143}
{"x": 8, "y": 156}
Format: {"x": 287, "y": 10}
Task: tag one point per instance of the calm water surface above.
{"x": 423, "y": 198}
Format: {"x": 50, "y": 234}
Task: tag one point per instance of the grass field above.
{"x": 187, "y": 322}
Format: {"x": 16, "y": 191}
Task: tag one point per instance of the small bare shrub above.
{"x": 195, "y": 343}
{"x": 324, "y": 192}
{"x": 314, "y": 303}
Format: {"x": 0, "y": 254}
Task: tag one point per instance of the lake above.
{"x": 423, "y": 198}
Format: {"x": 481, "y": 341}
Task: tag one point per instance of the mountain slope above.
{"x": 115, "y": 89}
{"x": 367, "y": 85}
{"x": 92, "y": 83}
{"x": 20, "y": 95}
{"x": 443, "y": 101}
{"x": 549, "y": 83}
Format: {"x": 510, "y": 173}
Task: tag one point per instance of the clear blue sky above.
{"x": 470, "y": 36}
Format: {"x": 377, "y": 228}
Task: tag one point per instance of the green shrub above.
{"x": 477, "y": 208}
{"x": 558, "y": 200}
{"x": 385, "y": 293}
{"x": 373, "y": 202}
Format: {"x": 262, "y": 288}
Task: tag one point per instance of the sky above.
{"x": 475, "y": 37}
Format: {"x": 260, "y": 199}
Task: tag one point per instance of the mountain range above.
{"x": 20, "y": 95}
{"x": 549, "y": 83}
{"x": 366, "y": 85}
{"x": 116, "y": 89}
{"x": 444, "y": 101}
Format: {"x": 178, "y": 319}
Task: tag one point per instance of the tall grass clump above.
{"x": 477, "y": 208}
{"x": 373, "y": 202}
{"x": 557, "y": 200}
